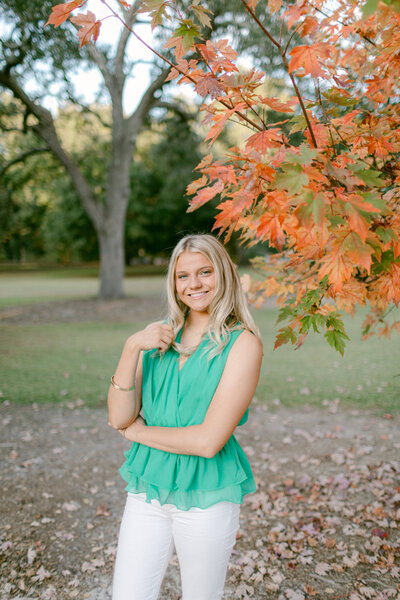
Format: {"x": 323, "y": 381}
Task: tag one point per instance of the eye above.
{"x": 181, "y": 276}
{"x": 206, "y": 272}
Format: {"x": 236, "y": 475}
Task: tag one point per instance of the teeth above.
{"x": 198, "y": 295}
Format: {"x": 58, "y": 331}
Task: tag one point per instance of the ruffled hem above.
{"x": 186, "y": 499}
{"x": 188, "y": 480}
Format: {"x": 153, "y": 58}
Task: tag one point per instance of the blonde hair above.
{"x": 228, "y": 309}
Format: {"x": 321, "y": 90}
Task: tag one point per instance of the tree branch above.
{"x": 124, "y": 37}
{"x": 46, "y": 130}
{"x": 285, "y": 62}
{"x": 147, "y": 101}
{"x": 21, "y": 157}
{"x": 88, "y": 110}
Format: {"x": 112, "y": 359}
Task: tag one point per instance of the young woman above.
{"x": 193, "y": 376}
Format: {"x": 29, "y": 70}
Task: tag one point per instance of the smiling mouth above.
{"x": 197, "y": 295}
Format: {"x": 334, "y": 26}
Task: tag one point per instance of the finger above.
{"x": 167, "y": 328}
{"x": 165, "y": 339}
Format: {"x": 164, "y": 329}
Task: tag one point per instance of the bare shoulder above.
{"x": 247, "y": 344}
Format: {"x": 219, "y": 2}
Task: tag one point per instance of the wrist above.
{"x": 132, "y": 345}
{"x": 132, "y": 433}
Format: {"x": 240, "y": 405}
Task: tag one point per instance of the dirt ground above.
{"x": 324, "y": 522}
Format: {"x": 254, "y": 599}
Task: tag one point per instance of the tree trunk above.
{"x": 112, "y": 261}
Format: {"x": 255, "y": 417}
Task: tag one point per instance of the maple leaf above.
{"x": 307, "y": 59}
{"x": 292, "y": 178}
{"x": 264, "y": 140}
{"x": 90, "y": 27}
{"x": 276, "y": 104}
{"x": 338, "y": 266}
{"x": 219, "y": 121}
{"x": 156, "y": 10}
{"x": 226, "y": 50}
{"x": 202, "y": 14}
{"x": 209, "y": 84}
{"x": 205, "y": 195}
{"x": 205, "y": 161}
{"x": 61, "y": 12}
{"x": 270, "y": 228}
{"x": 187, "y": 31}
{"x": 195, "y": 185}
{"x": 356, "y": 221}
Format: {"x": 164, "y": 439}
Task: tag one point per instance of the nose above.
{"x": 194, "y": 282}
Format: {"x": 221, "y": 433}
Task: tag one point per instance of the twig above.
{"x": 281, "y": 52}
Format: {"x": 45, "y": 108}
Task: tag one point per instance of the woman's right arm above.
{"x": 124, "y": 407}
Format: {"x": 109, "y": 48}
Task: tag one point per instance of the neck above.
{"x": 197, "y": 320}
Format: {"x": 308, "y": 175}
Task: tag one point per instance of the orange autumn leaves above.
{"x": 328, "y": 203}
{"x": 89, "y": 25}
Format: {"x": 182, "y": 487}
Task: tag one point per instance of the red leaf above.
{"x": 90, "y": 27}
{"x": 209, "y": 84}
{"x": 380, "y": 533}
{"x": 61, "y": 12}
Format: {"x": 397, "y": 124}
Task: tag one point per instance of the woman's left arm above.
{"x": 230, "y": 401}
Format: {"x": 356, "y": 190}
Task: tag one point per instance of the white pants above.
{"x": 203, "y": 539}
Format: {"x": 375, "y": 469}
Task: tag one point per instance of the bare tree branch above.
{"x": 47, "y": 132}
{"x": 147, "y": 101}
{"x": 21, "y": 157}
{"x": 130, "y": 19}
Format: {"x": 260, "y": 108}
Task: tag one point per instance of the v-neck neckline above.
{"x": 179, "y": 335}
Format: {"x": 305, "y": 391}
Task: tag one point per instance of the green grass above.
{"x": 28, "y": 288}
{"x": 368, "y": 375}
{"x": 61, "y": 362}
{"x": 53, "y": 363}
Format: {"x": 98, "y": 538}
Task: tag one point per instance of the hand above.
{"x": 156, "y": 335}
{"x": 130, "y": 431}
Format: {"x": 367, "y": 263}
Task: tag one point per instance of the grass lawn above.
{"x": 27, "y": 288}
{"x": 61, "y": 362}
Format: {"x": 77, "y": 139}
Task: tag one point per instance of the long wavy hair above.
{"x": 228, "y": 309}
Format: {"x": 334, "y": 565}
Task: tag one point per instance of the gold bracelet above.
{"x": 121, "y": 389}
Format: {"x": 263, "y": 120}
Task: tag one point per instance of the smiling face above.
{"x": 195, "y": 280}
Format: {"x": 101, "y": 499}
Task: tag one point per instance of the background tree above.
{"x": 31, "y": 51}
{"x": 42, "y": 217}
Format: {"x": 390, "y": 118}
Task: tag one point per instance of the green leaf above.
{"x": 305, "y": 324}
{"x": 386, "y": 260}
{"x": 336, "y": 340}
{"x": 305, "y": 157}
{"x": 299, "y": 124}
{"x": 285, "y": 313}
{"x": 287, "y": 334}
{"x": 370, "y": 7}
{"x": 336, "y": 220}
{"x": 375, "y": 200}
{"x": 369, "y": 176}
{"x": 188, "y": 31}
{"x": 385, "y": 234}
{"x": 334, "y": 95}
{"x": 292, "y": 178}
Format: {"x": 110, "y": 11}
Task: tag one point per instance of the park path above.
{"x": 321, "y": 525}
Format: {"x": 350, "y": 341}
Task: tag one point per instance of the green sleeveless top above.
{"x": 173, "y": 397}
